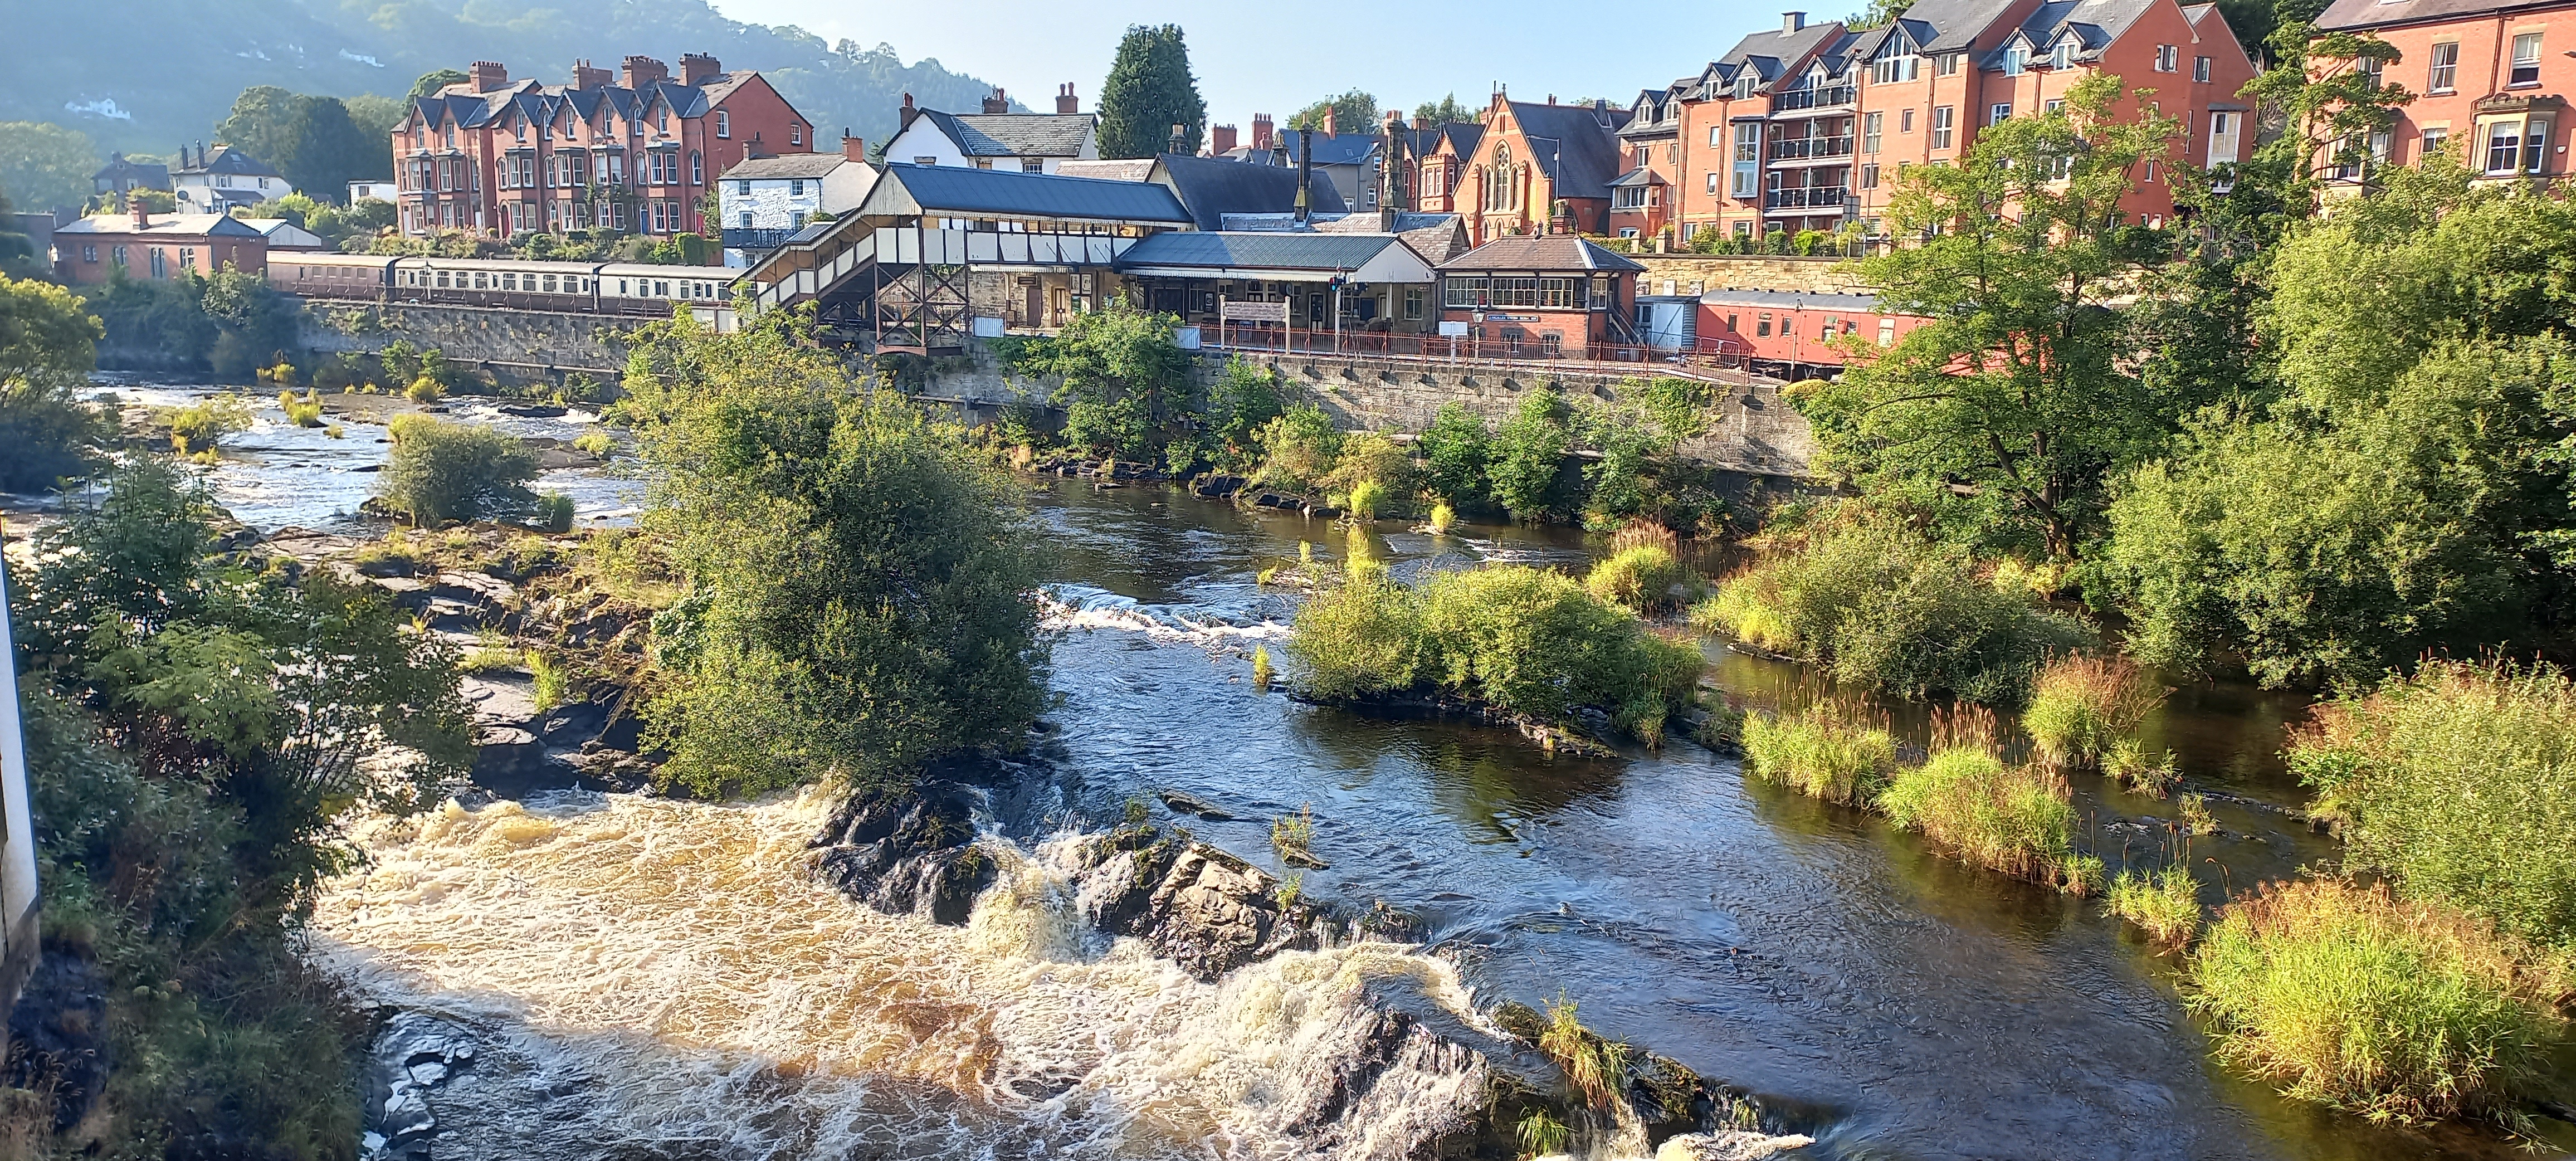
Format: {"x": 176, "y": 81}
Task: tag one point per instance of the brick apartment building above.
{"x": 2491, "y": 81}
{"x": 1540, "y": 169}
{"x": 141, "y": 244}
{"x": 635, "y": 150}
{"x": 1808, "y": 125}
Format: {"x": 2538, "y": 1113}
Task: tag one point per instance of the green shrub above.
{"x": 48, "y": 347}
{"x": 2017, "y": 820}
{"x": 596, "y": 443}
{"x": 1882, "y": 608}
{"x": 1455, "y": 451}
{"x": 1298, "y": 448}
{"x": 441, "y": 471}
{"x": 1442, "y": 516}
{"x": 425, "y": 390}
{"x": 551, "y": 682}
{"x": 2166, "y": 904}
{"x": 2397, "y": 1011}
{"x": 1597, "y": 1068}
{"x": 1520, "y": 639}
{"x": 200, "y": 426}
{"x": 2130, "y": 766}
{"x": 1366, "y": 497}
{"x": 1527, "y": 462}
{"x": 1644, "y": 578}
{"x": 2458, "y": 783}
{"x": 1822, "y": 750}
{"x": 2083, "y": 707}
{"x": 554, "y": 512}
{"x": 304, "y": 412}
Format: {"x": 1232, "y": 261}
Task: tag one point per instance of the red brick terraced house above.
{"x": 2491, "y": 81}
{"x": 1541, "y": 169}
{"x": 157, "y": 246}
{"x": 634, "y": 150}
{"x": 1641, "y": 197}
{"x": 1808, "y": 126}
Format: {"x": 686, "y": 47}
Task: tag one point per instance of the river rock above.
{"x": 1185, "y": 803}
{"x": 907, "y": 852}
{"x": 1194, "y": 904}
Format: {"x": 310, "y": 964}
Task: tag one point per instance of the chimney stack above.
{"x": 142, "y": 215}
{"x": 997, "y": 103}
{"x": 906, "y": 114}
{"x": 1180, "y": 138}
{"x": 1221, "y": 140}
{"x": 1327, "y": 125}
{"x": 644, "y": 70}
{"x": 1392, "y": 170}
{"x": 1791, "y": 22}
{"x": 1065, "y": 102}
{"x": 488, "y": 76}
{"x": 854, "y": 148}
{"x": 698, "y": 68}
{"x": 586, "y": 78}
{"x": 1305, "y": 178}
{"x": 1265, "y": 135}
{"x": 1421, "y": 122}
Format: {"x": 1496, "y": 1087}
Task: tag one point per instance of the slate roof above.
{"x": 543, "y": 104}
{"x": 2095, "y": 24}
{"x": 1463, "y": 137}
{"x": 1000, "y": 193}
{"x": 1352, "y": 148}
{"x": 187, "y": 225}
{"x": 2351, "y": 15}
{"x": 1639, "y": 176}
{"x": 1541, "y": 252}
{"x": 1578, "y": 152}
{"x": 147, "y": 175}
{"x": 1265, "y": 250}
{"x": 1211, "y": 188}
{"x": 1773, "y": 52}
{"x": 1014, "y": 134}
{"x": 228, "y": 160}
{"x": 790, "y": 165}
{"x": 1949, "y": 25}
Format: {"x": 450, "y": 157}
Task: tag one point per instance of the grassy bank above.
{"x": 1524, "y": 641}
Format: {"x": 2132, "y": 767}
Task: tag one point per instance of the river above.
{"x": 658, "y": 979}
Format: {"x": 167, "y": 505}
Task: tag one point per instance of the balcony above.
{"x": 1824, "y": 98}
{"x": 736, "y": 238}
{"x": 1800, "y": 148}
{"x": 1806, "y": 197}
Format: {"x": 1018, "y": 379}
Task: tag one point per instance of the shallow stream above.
{"x": 650, "y": 979}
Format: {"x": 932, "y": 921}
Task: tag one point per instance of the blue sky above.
{"x": 1277, "y": 58}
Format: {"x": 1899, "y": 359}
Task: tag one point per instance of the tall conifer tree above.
{"x": 1149, "y": 90}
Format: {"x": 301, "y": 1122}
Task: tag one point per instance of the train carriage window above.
{"x": 662, "y": 288}
{"x": 442, "y": 280}
{"x": 621, "y": 286}
{"x": 550, "y": 284}
{"x": 481, "y": 281}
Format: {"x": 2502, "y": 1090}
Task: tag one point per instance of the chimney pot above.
{"x": 1221, "y": 140}
{"x": 586, "y": 78}
{"x": 644, "y": 70}
{"x": 1421, "y": 122}
{"x": 488, "y": 76}
{"x": 906, "y": 114}
{"x": 698, "y": 68}
{"x": 997, "y": 103}
{"x": 1791, "y": 22}
{"x": 1065, "y": 102}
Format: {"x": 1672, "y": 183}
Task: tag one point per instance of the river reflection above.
{"x": 1815, "y": 954}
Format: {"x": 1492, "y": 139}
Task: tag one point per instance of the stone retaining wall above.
{"x": 1746, "y": 272}
{"x": 513, "y": 344}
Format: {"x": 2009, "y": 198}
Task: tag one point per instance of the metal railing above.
{"x": 1825, "y": 97}
{"x": 1792, "y": 148}
{"x": 1806, "y": 196}
{"x": 1712, "y": 359}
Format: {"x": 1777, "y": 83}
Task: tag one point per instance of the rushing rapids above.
{"x": 640, "y": 977}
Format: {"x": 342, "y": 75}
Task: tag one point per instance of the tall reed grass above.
{"x": 2165, "y": 904}
{"x": 2019, "y": 820}
{"x": 1829, "y": 750}
{"x": 2397, "y": 1011}
{"x": 2083, "y": 706}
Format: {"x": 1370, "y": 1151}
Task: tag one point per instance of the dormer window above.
{"x": 1743, "y": 85}
{"x": 2062, "y": 56}
{"x": 2016, "y": 58}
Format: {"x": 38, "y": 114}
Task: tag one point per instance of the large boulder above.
{"x": 907, "y": 852}
{"x": 1194, "y": 904}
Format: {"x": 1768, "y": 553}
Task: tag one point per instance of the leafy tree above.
{"x": 859, "y": 576}
{"x": 2017, "y": 393}
{"x": 1298, "y": 448}
{"x": 432, "y": 81}
{"x": 1354, "y": 111}
{"x": 1455, "y": 451}
{"x": 1529, "y": 456}
{"x": 2326, "y": 92}
{"x": 1879, "y": 14}
{"x": 44, "y": 165}
{"x": 1446, "y": 111}
{"x": 2409, "y": 489}
{"x": 18, "y": 256}
{"x": 375, "y": 113}
{"x": 1124, "y": 378}
{"x": 48, "y": 346}
{"x": 1149, "y": 90}
{"x": 1244, "y": 397}
{"x": 311, "y": 140}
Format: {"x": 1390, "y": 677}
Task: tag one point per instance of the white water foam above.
{"x": 1082, "y": 608}
{"x": 670, "y": 973}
